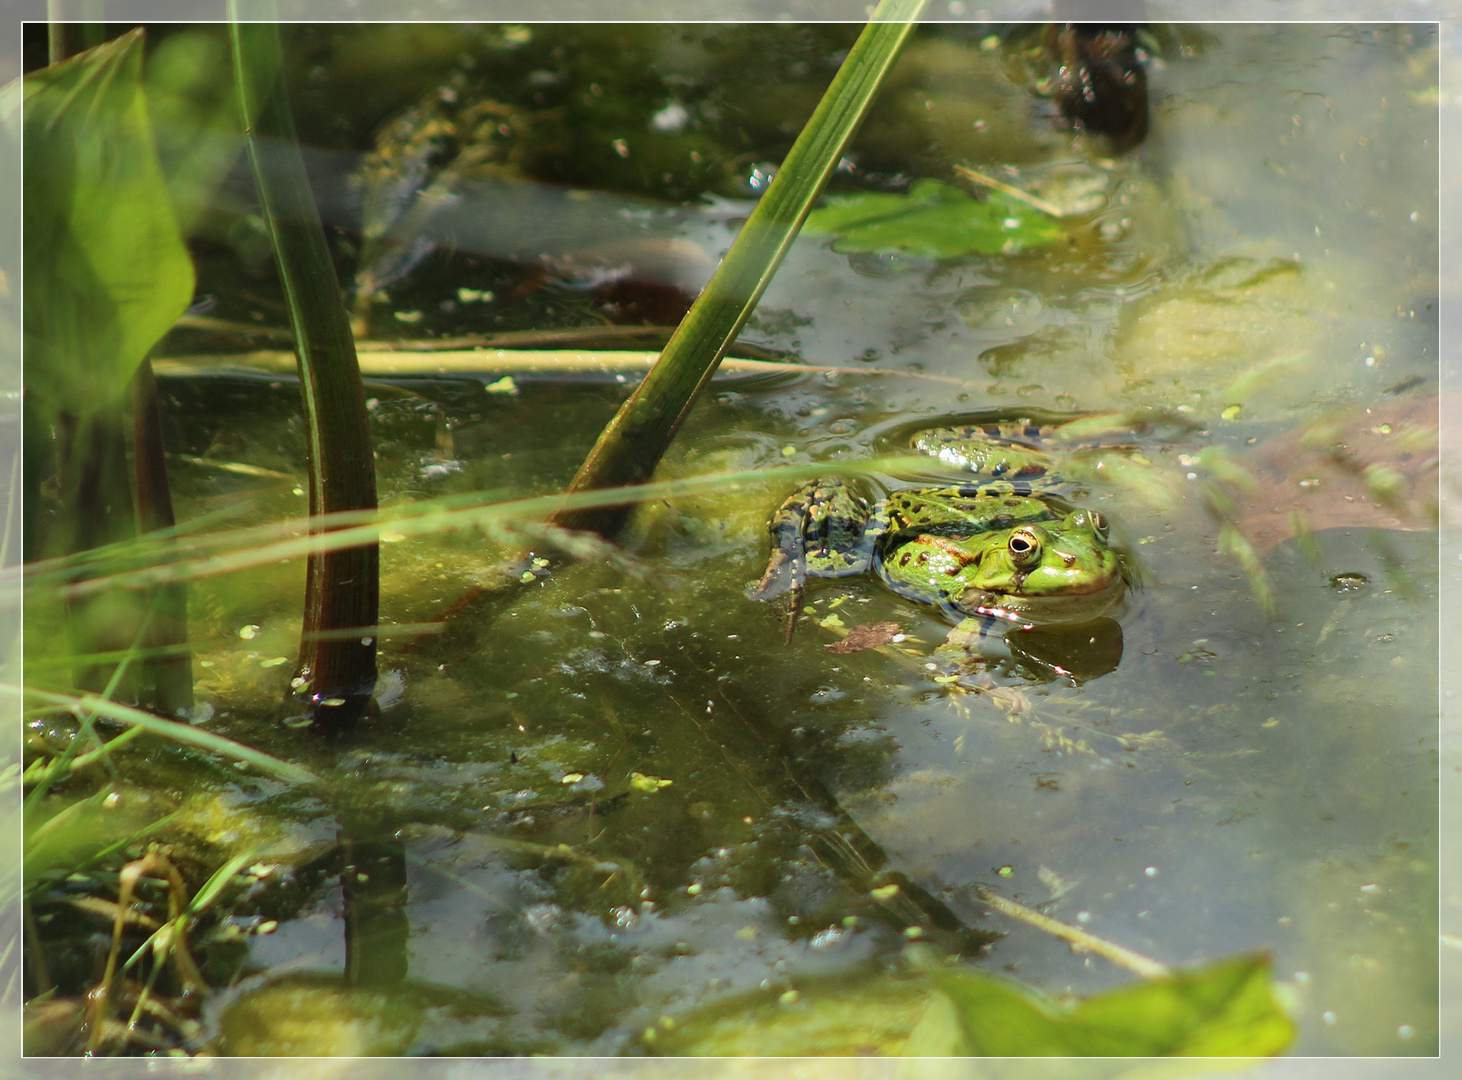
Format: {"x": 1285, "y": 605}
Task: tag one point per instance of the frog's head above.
{"x": 1046, "y": 573}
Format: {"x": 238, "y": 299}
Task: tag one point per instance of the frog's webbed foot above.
{"x": 819, "y": 531}
{"x": 786, "y": 573}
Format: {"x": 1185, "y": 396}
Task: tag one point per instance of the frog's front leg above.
{"x": 823, "y": 529}
{"x": 973, "y": 645}
{"x": 1078, "y": 652}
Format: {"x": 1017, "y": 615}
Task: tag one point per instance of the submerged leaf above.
{"x": 106, "y": 272}
{"x": 1370, "y": 467}
{"x": 843, "y": 1018}
{"x": 934, "y": 220}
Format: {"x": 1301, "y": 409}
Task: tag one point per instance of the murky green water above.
{"x": 586, "y": 806}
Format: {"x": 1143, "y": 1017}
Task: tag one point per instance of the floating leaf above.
{"x": 1225, "y": 1009}
{"x": 106, "y": 272}
{"x": 934, "y": 220}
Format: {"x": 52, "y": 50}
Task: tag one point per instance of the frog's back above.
{"x": 963, "y": 511}
{"x": 988, "y": 451}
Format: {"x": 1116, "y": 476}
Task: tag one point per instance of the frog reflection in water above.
{"x": 1000, "y": 554}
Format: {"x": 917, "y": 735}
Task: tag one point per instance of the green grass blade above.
{"x": 141, "y": 566}
{"x": 635, "y": 440}
{"x": 179, "y": 733}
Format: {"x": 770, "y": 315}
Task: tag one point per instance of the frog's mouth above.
{"x": 1077, "y": 605}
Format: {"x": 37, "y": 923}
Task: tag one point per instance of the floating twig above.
{"x": 1035, "y": 202}
{"x": 1081, "y": 940}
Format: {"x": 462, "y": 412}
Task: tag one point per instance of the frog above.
{"x": 1003, "y": 552}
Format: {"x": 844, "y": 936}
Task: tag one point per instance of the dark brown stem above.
{"x": 91, "y": 459}
{"x": 168, "y": 674}
{"x": 337, "y": 670}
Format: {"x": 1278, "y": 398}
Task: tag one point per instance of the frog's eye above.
{"x": 1080, "y": 519}
{"x": 1025, "y": 548}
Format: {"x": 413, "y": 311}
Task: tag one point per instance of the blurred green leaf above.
{"x": 106, "y": 272}
{"x": 934, "y": 220}
{"x": 1224, "y": 1009}
{"x": 195, "y": 120}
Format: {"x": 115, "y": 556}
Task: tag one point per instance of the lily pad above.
{"x": 934, "y": 220}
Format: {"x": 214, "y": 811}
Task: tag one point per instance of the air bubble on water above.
{"x": 671, "y": 118}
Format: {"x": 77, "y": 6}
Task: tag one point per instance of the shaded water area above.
{"x": 600, "y": 806}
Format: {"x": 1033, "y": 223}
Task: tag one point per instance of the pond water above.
{"x": 594, "y": 802}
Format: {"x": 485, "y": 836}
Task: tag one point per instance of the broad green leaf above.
{"x": 1224, "y": 1009}
{"x": 106, "y": 272}
{"x": 934, "y": 220}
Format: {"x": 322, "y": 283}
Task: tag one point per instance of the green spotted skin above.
{"x": 989, "y": 451}
{"x": 1007, "y": 548}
